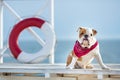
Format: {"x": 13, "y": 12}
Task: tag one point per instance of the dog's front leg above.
{"x": 100, "y": 61}
{"x": 71, "y": 65}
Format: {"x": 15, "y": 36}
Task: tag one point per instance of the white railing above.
{"x": 1, "y": 25}
{"x": 1, "y": 28}
{"x": 49, "y": 69}
{"x": 32, "y": 32}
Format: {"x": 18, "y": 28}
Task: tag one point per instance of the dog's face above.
{"x": 86, "y": 36}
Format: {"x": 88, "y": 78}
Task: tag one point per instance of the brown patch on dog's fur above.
{"x": 73, "y": 54}
{"x": 89, "y": 66}
{"x": 82, "y": 31}
{"x": 69, "y": 59}
{"x": 94, "y": 32}
{"x": 79, "y": 59}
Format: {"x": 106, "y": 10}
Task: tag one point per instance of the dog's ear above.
{"x": 80, "y": 28}
{"x": 94, "y": 31}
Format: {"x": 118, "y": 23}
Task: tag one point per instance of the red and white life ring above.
{"x": 45, "y": 51}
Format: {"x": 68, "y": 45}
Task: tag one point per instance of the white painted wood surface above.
{"x": 56, "y": 68}
{"x": 48, "y": 69}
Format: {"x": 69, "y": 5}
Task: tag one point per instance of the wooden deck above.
{"x": 49, "y": 69}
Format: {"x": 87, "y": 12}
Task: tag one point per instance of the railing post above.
{"x": 47, "y": 75}
{"x": 51, "y": 57}
{"x": 1, "y": 25}
{"x": 52, "y": 13}
{"x": 1, "y": 29}
{"x": 100, "y": 76}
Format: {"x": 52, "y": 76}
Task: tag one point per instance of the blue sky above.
{"x": 102, "y": 15}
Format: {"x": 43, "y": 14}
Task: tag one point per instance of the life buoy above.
{"x": 41, "y": 54}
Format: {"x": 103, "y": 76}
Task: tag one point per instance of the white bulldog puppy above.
{"x": 86, "y": 48}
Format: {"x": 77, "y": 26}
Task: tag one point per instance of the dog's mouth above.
{"x": 85, "y": 43}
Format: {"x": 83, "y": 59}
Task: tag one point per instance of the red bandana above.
{"x": 80, "y": 51}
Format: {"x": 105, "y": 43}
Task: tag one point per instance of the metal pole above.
{"x": 1, "y": 29}
{"x": 3, "y": 50}
{"x": 51, "y": 2}
{"x": 40, "y": 11}
{"x": 1, "y": 25}
{"x": 51, "y": 57}
{"x": 52, "y": 13}
{"x": 12, "y": 11}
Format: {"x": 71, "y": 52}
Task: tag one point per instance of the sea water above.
{"x": 109, "y": 49}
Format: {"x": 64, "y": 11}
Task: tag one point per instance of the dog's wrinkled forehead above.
{"x": 89, "y": 31}
{"x": 84, "y": 31}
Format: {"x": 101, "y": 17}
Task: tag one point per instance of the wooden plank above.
{"x": 33, "y": 78}
{"x": 66, "y": 77}
{"x": 92, "y": 77}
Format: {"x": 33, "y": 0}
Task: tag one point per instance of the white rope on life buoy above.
{"x": 41, "y": 54}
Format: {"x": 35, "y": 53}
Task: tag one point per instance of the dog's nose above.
{"x": 86, "y": 36}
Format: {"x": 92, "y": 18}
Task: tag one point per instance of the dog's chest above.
{"x": 88, "y": 57}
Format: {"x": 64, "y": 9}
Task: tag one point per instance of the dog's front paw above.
{"x": 90, "y": 66}
{"x": 106, "y": 68}
{"x": 69, "y": 67}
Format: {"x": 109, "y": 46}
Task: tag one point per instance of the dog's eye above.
{"x": 91, "y": 34}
